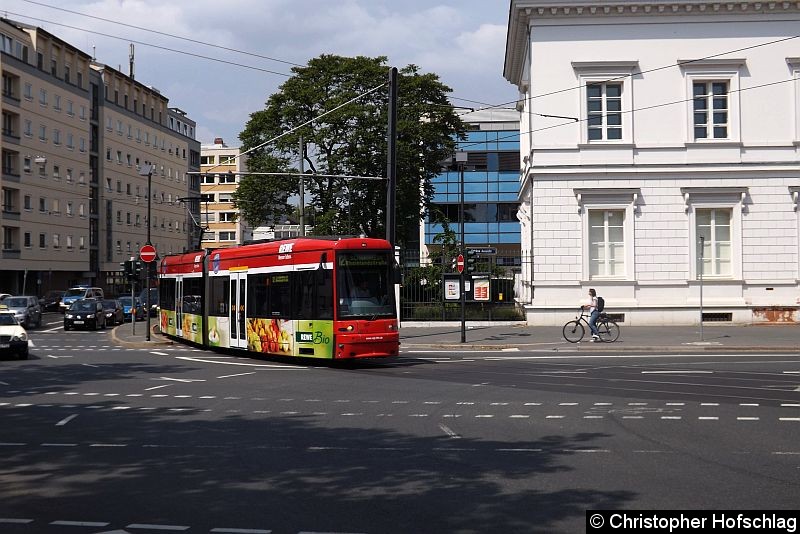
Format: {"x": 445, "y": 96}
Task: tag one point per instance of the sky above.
{"x": 463, "y": 41}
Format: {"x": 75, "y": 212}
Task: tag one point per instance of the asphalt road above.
{"x": 100, "y": 438}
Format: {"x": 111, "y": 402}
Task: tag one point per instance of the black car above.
{"x": 85, "y": 313}
{"x": 51, "y": 300}
{"x": 114, "y": 313}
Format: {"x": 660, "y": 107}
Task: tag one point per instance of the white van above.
{"x": 79, "y": 292}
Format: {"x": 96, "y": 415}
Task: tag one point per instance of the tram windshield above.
{"x": 364, "y": 285}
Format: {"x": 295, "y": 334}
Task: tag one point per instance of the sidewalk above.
{"x": 497, "y": 336}
{"x": 715, "y": 338}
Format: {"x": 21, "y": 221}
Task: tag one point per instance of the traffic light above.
{"x": 471, "y": 259}
{"x": 137, "y": 269}
{"x": 127, "y": 269}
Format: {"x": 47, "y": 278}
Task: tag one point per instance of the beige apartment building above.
{"x": 77, "y": 136}
{"x": 221, "y": 167}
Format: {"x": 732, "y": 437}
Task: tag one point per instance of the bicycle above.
{"x": 607, "y": 329}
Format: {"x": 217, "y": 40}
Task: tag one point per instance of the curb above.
{"x": 603, "y": 347}
{"x": 156, "y": 340}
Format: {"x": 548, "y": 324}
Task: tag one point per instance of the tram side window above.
{"x": 219, "y": 296}
{"x": 279, "y": 295}
{"x": 257, "y": 296}
{"x": 313, "y": 295}
{"x": 192, "y": 295}
{"x": 166, "y": 294}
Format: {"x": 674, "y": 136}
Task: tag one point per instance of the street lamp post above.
{"x": 461, "y": 160}
{"x": 147, "y": 169}
{"x": 702, "y": 246}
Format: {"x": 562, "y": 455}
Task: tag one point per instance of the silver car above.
{"x": 26, "y": 309}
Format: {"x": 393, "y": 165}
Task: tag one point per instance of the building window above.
{"x": 56, "y": 137}
{"x": 710, "y": 105}
{"x": 227, "y": 236}
{"x": 43, "y": 97}
{"x": 119, "y": 216}
{"x": 26, "y": 164}
{"x": 56, "y": 241}
{"x": 712, "y": 91}
{"x": 28, "y": 92}
{"x": 42, "y": 240}
{"x": 27, "y": 205}
{"x": 70, "y": 142}
{"x": 56, "y": 172}
{"x": 28, "y": 128}
{"x": 227, "y": 216}
{"x": 42, "y": 205}
{"x": 69, "y": 242}
{"x": 714, "y": 231}
{"x": 604, "y": 111}
{"x": 57, "y": 102}
{"x": 606, "y": 243}
{"x": 42, "y": 132}
{"x": 227, "y": 178}
{"x": 207, "y": 178}
{"x": 27, "y": 240}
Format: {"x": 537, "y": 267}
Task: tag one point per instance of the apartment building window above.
{"x": 119, "y": 216}
{"x": 79, "y": 81}
{"x": 109, "y": 124}
{"x": 82, "y": 113}
{"x": 227, "y": 236}
{"x": 82, "y": 211}
{"x": 108, "y": 185}
{"x": 207, "y": 197}
{"x": 28, "y": 128}
{"x": 227, "y": 160}
{"x": 56, "y": 172}
{"x": 81, "y": 179}
{"x": 119, "y": 186}
{"x": 70, "y": 111}
{"x": 82, "y": 145}
{"x": 43, "y": 97}
{"x": 227, "y": 216}
{"x": 43, "y": 170}
{"x": 130, "y": 131}
{"x": 128, "y": 189}
{"x": 69, "y": 209}
{"x": 69, "y": 242}
{"x": 54, "y": 67}
{"x": 206, "y": 160}
{"x": 712, "y": 94}
{"x": 128, "y": 246}
{"x": 108, "y": 154}
{"x": 56, "y": 207}
{"x": 128, "y": 218}
{"x": 119, "y": 246}
{"x": 604, "y": 109}
{"x": 57, "y": 102}
{"x": 138, "y": 220}
{"x": 226, "y": 197}
{"x": 69, "y": 176}
{"x": 207, "y": 179}
{"x": 26, "y": 164}
{"x": 28, "y": 91}
{"x": 128, "y": 160}
{"x": 27, "y": 240}
{"x": 56, "y": 137}
{"x": 606, "y": 243}
{"x": 227, "y": 178}
{"x": 42, "y": 240}
{"x": 27, "y": 203}
{"x": 39, "y": 61}
{"x": 66, "y": 74}
{"x": 70, "y": 142}
{"x": 82, "y": 242}
{"x": 56, "y": 241}
{"x": 714, "y": 227}
{"x": 42, "y": 132}
{"x": 710, "y": 105}
{"x": 119, "y": 127}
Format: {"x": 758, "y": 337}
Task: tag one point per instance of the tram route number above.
{"x": 317, "y": 338}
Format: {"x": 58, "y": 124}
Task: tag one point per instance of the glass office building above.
{"x": 491, "y": 184}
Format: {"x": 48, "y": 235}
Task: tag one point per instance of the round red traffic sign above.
{"x": 147, "y": 253}
{"x": 460, "y": 263}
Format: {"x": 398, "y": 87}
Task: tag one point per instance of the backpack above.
{"x": 601, "y": 304}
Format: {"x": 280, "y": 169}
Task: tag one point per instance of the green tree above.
{"x": 349, "y": 141}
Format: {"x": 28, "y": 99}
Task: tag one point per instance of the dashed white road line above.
{"x": 157, "y": 387}
{"x": 15, "y": 521}
{"x": 67, "y": 420}
{"x": 79, "y": 523}
{"x": 158, "y": 353}
{"x": 157, "y": 527}
{"x": 240, "y": 531}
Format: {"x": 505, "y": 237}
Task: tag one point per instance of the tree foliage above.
{"x": 349, "y": 141}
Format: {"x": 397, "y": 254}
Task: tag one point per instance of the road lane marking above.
{"x": 67, "y": 420}
{"x": 158, "y": 353}
{"x": 447, "y": 430}
{"x": 157, "y": 527}
{"x": 240, "y": 531}
{"x": 708, "y": 418}
{"x": 747, "y": 418}
{"x": 157, "y": 387}
{"x": 184, "y": 380}
{"x": 251, "y": 365}
{"x": 240, "y": 374}
{"x": 15, "y": 521}
{"x": 80, "y": 523}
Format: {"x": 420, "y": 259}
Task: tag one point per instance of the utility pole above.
{"x": 302, "y": 189}
{"x": 391, "y": 164}
{"x": 461, "y": 160}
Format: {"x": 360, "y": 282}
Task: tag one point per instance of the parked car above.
{"x": 79, "y": 292}
{"x": 85, "y": 313}
{"x": 128, "y": 307}
{"x": 52, "y": 299}
{"x": 13, "y": 337}
{"x": 153, "y": 300}
{"x": 26, "y": 309}
{"x": 114, "y": 313}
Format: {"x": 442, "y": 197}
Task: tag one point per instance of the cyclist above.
{"x": 594, "y": 313}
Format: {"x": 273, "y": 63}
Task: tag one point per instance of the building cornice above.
{"x": 523, "y": 12}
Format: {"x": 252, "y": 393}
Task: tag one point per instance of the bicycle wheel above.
{"x": 573, "y": 331}
{"x": 607, "y": 330}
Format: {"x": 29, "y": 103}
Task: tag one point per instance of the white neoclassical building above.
{"x": 660, "y": 152}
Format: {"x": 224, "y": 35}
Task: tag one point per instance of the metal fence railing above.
{"x": 496, "y": 290}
